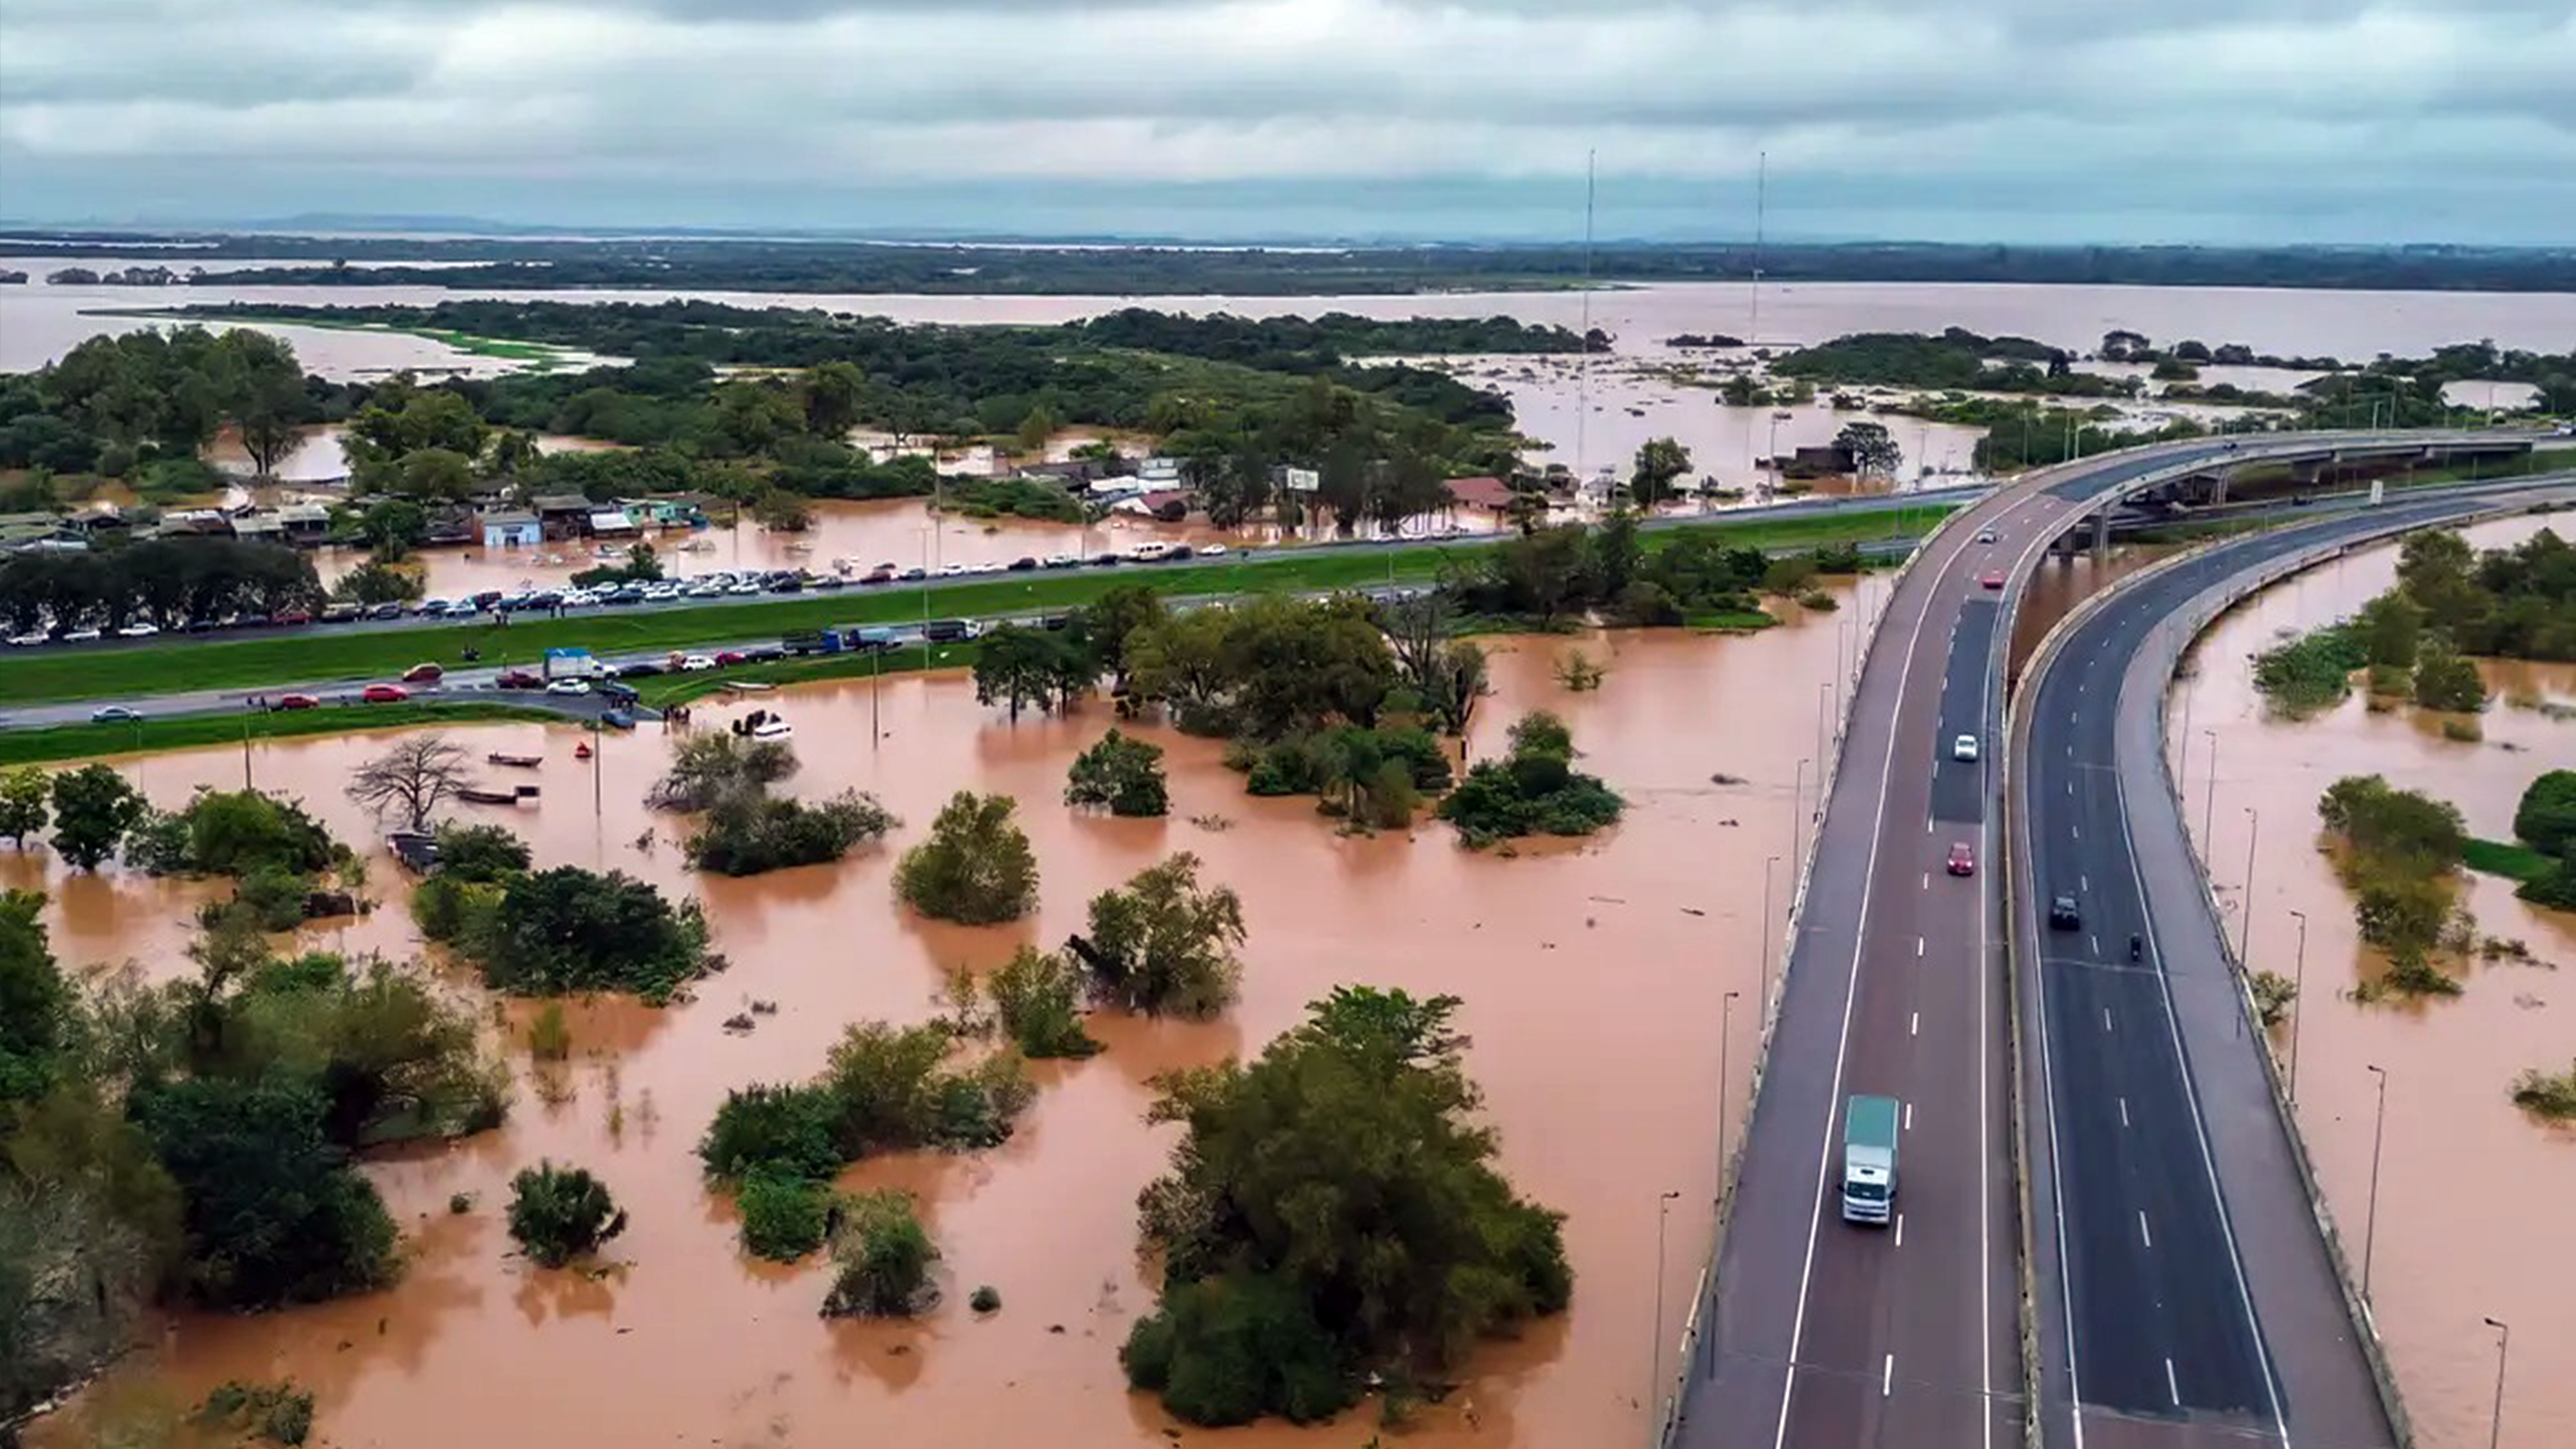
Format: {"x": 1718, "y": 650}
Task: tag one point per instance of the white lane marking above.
{"x": 2191, "y": 1094}
{"x": 2093, "y": 941}
{"x": 1909, "y": 1116}
{"x": 1851, "y": 997}
{"x": 1927, "y": 880}
{"x": 2124, "y": 1111}
{"x": 2145, "y": 1236}
{"x": 2084, "y": 883}
{"x": 2079, "y": 831}
{"x": 2106, "y": 1018}
{"x": 1887, "y": 1377}
{"x": 1914, "y": 1024}
{"x": 1900, "y": 1230}
{"x": 1918, "y": 948}
{"x": 2173, "y": 1390}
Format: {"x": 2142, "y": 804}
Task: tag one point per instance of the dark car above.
{"x": 1024, "y": 564}
{"x": 389, "y": 609}
{"x": 1055, "y": 621}
{"x": 640, "y": 669}
{"x": 764, "y": 654}
{"x": 829, "y": 581}
{"x": 945, "y": 631}
{"x": 788, "y": 585}
{"x": 2063, "y": 914}
{"x": 1107, "y": 560}
{"x": 290, "y": 616}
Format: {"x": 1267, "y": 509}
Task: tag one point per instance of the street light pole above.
{"x": 2209, "y": 795}
{"x": 2298, "y": 1008}
{"x": 1770, "y": 943}
{"x": 2245, "y": 936}
{"x": 1725, "y": 1083}
{"x": 1797, "y": 814}
{"x": 2495, "y": 1419}
{"x": 1655, "y": 1345}
{"x": 2370, "y": 1221}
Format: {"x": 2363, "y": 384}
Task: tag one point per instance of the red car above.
{"x": 290, "y": 616}
{"x": 1993, "y": 581}
{"x": 385, "y": 694}
{"x": 732, "y": 656}
{"x": 1963, "y": 859}
{"x": 423, "y": 674}
{"x": 296, "y": 701}
{"x": 520, "y": 679}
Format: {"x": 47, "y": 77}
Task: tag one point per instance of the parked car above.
{"x": 295, "y": 701}
{"x": 81, "y": 636}
{"x": 290, "y": 616}
{"x": 384, "y": 694}
{"x": 569, "y": 686}
{"x": 30, "y": 640}
{"x": 1023, "y": 564}
{"x": 1062, "y": 561}
{"x": 423, "y": 674}
{"x": 731, "y": 656}
{"x": 1211, "y": 550}
{"x": 138, "y": 631}
{"x": 113, "y": 714}
{"x": 389, "y": 609}
{"x": 881, "y": 574}
{"x": 640, "y": 669}
{"x": 912, "y": 576}
{"x": 693, "y": 663}
{"x": 338, "y": 613}
{"x": 1963, "y": 859}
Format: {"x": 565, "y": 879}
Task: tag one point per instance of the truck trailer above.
{"x": 1869, "y": 1160}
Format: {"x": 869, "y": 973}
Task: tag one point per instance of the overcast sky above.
{"x": 2019, "y": 120}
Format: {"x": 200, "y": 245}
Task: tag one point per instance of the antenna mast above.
{"x": 1583, "y": 371}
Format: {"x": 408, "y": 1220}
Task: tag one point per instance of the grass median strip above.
{"x": 324, "y": 656}
{"x": 179, "y": 732}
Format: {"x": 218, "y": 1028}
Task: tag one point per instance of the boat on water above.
{"x": 485, "y": 795}
{"x": 519, "y": 762}
{"x": 581, "y": 751}
{"x": 748, "y": 686}
{"x": 764, "y": 724}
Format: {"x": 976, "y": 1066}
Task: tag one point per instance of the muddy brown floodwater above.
{"x": 2473, "y": 1198}
{"x": 1592, "y": 974}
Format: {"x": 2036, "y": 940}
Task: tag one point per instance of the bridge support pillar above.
{"x": 2101, "y": 538}
{"x": 2218, "y": 487}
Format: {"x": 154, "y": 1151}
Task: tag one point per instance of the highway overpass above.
{"x": 1808, "y": 1331}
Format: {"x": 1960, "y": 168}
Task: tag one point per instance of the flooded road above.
{"x": 2472, "y": 1218}
{"x": 1592, "y": 974}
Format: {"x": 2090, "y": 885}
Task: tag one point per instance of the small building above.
{"x": 1829, "y": 461}
{"x": 1296, "y": 480}
{"x": 562, "y": 515}
{"x": 307, "y": 525}
{"x": 1170, "y": 505}
{"x": 675, "y": 510}
{"x": 40, "y": 531}
{"x": 1491, "y": 495}
{"x": 1073, "y": 472}
{"x": 610, "y": 522}
{"x": 449, "y": 526}
{"x": 1111, "y": 490}
{"x": 260, "y": 528}
{"x": 1159, "y": 472}
{"x": 195, "y": 523}
{"x": 512, "y": 529}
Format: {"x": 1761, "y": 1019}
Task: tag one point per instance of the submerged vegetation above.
{"x": 566, "y": 929}
{"x": 1406, "y": 1247}
{"x": 1534, "y": 789}
{"x": 2546, "y": 1095}
{"x": 976, "y": 868}
{"x": 2401, "y": 853}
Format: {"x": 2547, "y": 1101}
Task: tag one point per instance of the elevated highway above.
{"x": 2187, "y": 1295}
{"x": 1809, "y": 1331}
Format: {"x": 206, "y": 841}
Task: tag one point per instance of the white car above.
{"x": 569, "y": 686}
{"x": 1211, "y": 550}
{"x": 657, "y": 593}
{"x": 1061, "y": 561}
{"x": 951, "y": 571}
{"x": 707, "y": 591}
{"x": 138, "y": 631}
{"x": 1964, "y": 748}
{"x": 29, "y": 641}
{"x": 81, "y": 636}
{"x": 1985, "y": 535}
{"x": 696, "y": 662}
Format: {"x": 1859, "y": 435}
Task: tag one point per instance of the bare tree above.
{"x": 411, "y": 780}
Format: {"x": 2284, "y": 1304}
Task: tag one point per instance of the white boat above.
{"x": 772, "y": 728}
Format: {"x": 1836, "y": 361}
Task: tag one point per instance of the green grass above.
{"x": 668, "y": 689}
{"x": 87, "y": 741}
{"x": 2504, "y": 858}
{"x": 539, "y": 354}
{"x": 328, "y": 656}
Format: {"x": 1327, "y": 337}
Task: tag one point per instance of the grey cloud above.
{"x": 2219, "y": 110}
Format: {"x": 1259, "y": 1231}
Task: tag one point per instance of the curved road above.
{"x": 1816, "y": 1332}
{"x": 2193, "y": 1299}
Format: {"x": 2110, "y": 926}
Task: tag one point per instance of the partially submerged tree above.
{"x": 705, "y": 767}
{"x": 1121, "y": 775}
{"x": 1038, "y": 999}
{"x": 881, "y": 1259}
{"x": 1333, "y": 1213}
{"x": 1874, "y": 451}
{"x": 1164, "y": 945}
{"x": 976, "y": 868}
{"x": 409, "y": 781}
{"x": 1658, "y": 464}
{"x": 558, "y": 1214}
{"x": 94, "y": 807}
{"x": 1533, "y": 789}
{"x": 24, "y": 792}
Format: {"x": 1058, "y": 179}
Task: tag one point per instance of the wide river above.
{"x": 1593, "y": 975}
{"x": 2473, "y": 1194}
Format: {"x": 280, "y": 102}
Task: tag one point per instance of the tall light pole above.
{"x": 1655, "y": 1345}
{"x": 1725, "y": 1083}
{"x": 2298, "y": 1008}
{"x": 2504, "y": 1341}
{"x": 1824, "y": 692}
{"x": 1797, "y": 814}
{"x": 1770, "y": 943}
{"x": 2370, "y": 1221}
{"x": 2209, "y": 800}
{"x": 2245, "y": 934}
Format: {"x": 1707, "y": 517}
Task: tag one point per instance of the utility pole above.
{"x": 1725, "y": 1082}
{"x": 1655, "y": 1345}
{"x": 1797, "y": 815}
{"x": 2504, "y": 1342}
{"x": 1770, "y": 942}
{"x": 2370, "y": 1221}
{"x": 2298, "y": 1008}
{"x": 2245, "y": 936}
{"x": 1583, "y": 370}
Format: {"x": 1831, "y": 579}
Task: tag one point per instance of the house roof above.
{"x": 1480, "y": 492}
{"x": 561, "y": 503}
{"x": 510, "y": 518}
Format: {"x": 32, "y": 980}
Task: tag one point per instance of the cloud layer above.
{"x": 2009, "y": 119}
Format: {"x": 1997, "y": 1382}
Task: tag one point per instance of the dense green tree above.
{"x": 784, "y": 1218}
{"x": 1659, "y": 463}
{"x": 748, "y": 832}
{"x": 558, "y": 1214}
{"x": 402, "y": 420}
{"x": 265, "y": 398}
{"x": 881, "y": 1259}
{"x": 976, "y": 868}
{"x": 1163, "y": 945}
{"x": 1873, "y": 450}
{"x": 376, "y": 583}
{"x": 707, "y": 767}
{"x": 24, "y": 792}
{"x": 1533, "y": 789}
{"x": 2444, "y": 680}
{"x": 93, "y": 809}
{"x": 1037, "y": 997}
{"x": 833, "y": 392}
{"x": 480, "y": 853}
{"x": 786, "y": 1131}
{"x": 1333, "y": 1211}
{"x": 275, "y": 1214}
{"x": 570, "y": 929}
{"x": 1121, "y": 775}
{"x": 2545, "y": 817}
{"x": 392, "y": 528}
{"x": 36, "y": 1004}
{"x": 1019, "y": 666}
{"x": 2390, "y": 629}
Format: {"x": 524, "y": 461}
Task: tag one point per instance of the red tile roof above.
{"x": 1491, "y": 493}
